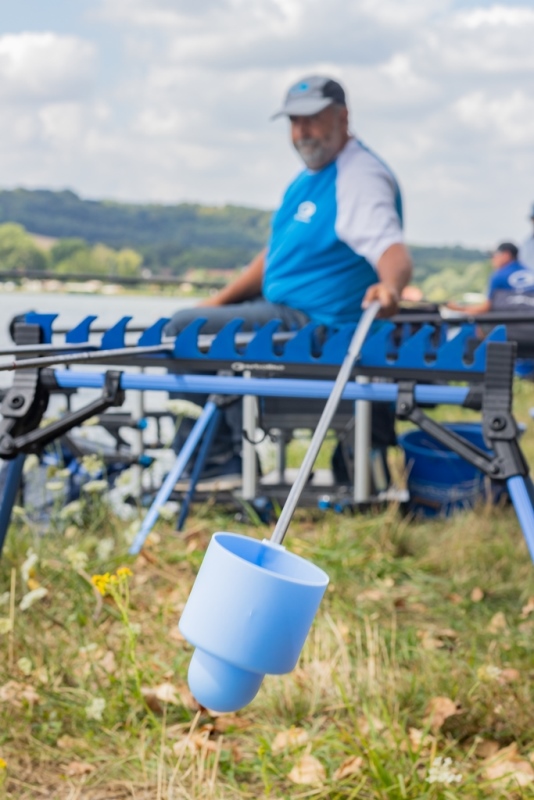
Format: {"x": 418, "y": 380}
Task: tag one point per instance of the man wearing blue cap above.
{"x": 336, "y": 242}
{"x": 526, "y": 251}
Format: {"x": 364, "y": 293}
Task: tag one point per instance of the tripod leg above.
{"x": 177, "y": 469}
{"x": 12, "y": 485}
{"x": 522, "y": 502}
{"x": 204, "y": 449}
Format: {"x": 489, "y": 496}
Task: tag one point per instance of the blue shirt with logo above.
{"x": 328, "y": 234}
{"x": 514, "y": 277}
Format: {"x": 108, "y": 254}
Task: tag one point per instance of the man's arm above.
{"x": 479, "y": 308}
{"x": 248, "y": 284}
{"x": 394, "y": 268}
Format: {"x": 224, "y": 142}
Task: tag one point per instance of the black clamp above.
{"x": 499, "y": 428}
{"x": 23, "y": 408}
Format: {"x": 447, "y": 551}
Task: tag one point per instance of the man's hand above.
{"x": 214, "y": 300}
{"x": 387, "y": 296}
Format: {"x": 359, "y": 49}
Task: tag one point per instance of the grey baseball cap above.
{"x": 310, "y": 95}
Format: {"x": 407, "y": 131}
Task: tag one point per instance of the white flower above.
{"x": 489, "y": 672}
{"x": 6, "y": 625}
{"x": 25, "y": 665}
{"x": 95, "y": 709}
{"x": 168, "y": 511}
{"x": 442, "y": 771}
{"x": 27, "y": 567}
{"x": 91, "y": 421}
{"x": 55, "y": 486}
{"x": 92, "y": 464}
{"x": 104, "y": 548}
{"x": 183, "y": 408}
{"x": 30, "y": 598}
{"x": 31, "y": 463}
{"x": 76, "y": 558}
{"x": 131, "y": 532}
{"x": 95, "y": 487}
{"x": 70, "y": 510}
{"x": 18, "y": 512}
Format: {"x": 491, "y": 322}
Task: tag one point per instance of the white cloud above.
{"x": 444, "y": 94}
{"x": 44, "y": 66}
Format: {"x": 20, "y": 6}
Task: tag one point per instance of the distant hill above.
{"x": 175, "y": 238}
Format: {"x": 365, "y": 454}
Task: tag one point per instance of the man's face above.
{"x": 320, "y": 137}
{"x": 500, "y": 259}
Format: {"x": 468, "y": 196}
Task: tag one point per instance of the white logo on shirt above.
{"x": 305, "y": 211}
{"x": 521, "y": 279}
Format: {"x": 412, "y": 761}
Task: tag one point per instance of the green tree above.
{"x": 18, "y": 251}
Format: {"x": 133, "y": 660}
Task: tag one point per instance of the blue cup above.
{"x": 248, "y": 614}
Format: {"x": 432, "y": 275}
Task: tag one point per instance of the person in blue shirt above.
{"x": 336, "y": 242}
{"x": 511, "y": 288}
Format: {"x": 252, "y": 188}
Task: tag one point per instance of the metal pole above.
{"x": 324, "y": 423}
{"x": 250, "y": 471}
{"x": 362, "y": 448}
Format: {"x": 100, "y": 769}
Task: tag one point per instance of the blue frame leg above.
{"x": 178, "y": 467}
{"x": 522, "y": 502}
{"x": 204, "y": 449}
{"x": 12, "y": 485}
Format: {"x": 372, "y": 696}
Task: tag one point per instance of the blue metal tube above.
{"x": 262, "y": 387}
{"x": 11, "y": 487}
{"x": 203, "y": 451}
{"x": 518, "y": 490}
{"x": 175, "y": 473}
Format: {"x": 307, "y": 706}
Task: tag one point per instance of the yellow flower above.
{"x": 124, "y": 572}
{"x": 101, "y": 582}
{"x": 3, "y": 764}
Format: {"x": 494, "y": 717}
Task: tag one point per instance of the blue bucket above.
{"x": 440, "y": 481}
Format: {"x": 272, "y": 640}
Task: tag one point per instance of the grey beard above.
{"x": 311, "y": 151}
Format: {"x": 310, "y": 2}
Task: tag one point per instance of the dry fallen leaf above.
{"x": 438, "y": 710}
{"x": 477, "y": 594}
{"x": 67, "y": 742}
{"x": 497, "y": 623}
{"x": 528, "y": 608}
{"x": 455, "y": 598}
{"x": 307, "y": 770}
{"x": 507, "y": 766}
{"x": 369, "y": 724}
{"x": 108, "y": 662}
{"x": 487, "y": 748}
{"x": 16, "y": 693}
{"x": 155, "y": 696}
{"x": 419, "y": 739}
{"x": 287, "y": 740}
{"x": 508, "y": 675}
{"x": 78, "y": 768}
{"x": 374, "y": 595}
{"x": 351, "y": 766}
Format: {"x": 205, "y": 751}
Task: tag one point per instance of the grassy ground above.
{"x": 416, "y": 681}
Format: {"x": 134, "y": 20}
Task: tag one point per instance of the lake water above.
{"x": 72, "y": 308}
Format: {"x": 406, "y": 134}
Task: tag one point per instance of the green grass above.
{"x": 416, "y": 610}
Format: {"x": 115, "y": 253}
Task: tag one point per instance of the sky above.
{"x": 169, "y": 101}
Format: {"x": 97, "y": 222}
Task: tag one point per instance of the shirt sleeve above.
{"x": 368, "y": 206}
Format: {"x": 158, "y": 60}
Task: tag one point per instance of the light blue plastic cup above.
{"x": 248, "y": 614}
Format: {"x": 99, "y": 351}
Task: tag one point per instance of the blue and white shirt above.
{"x": 329, "y": 233}
{"x": 511, "y": 288}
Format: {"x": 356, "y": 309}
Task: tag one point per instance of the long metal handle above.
{"x": 324, "y": 423}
